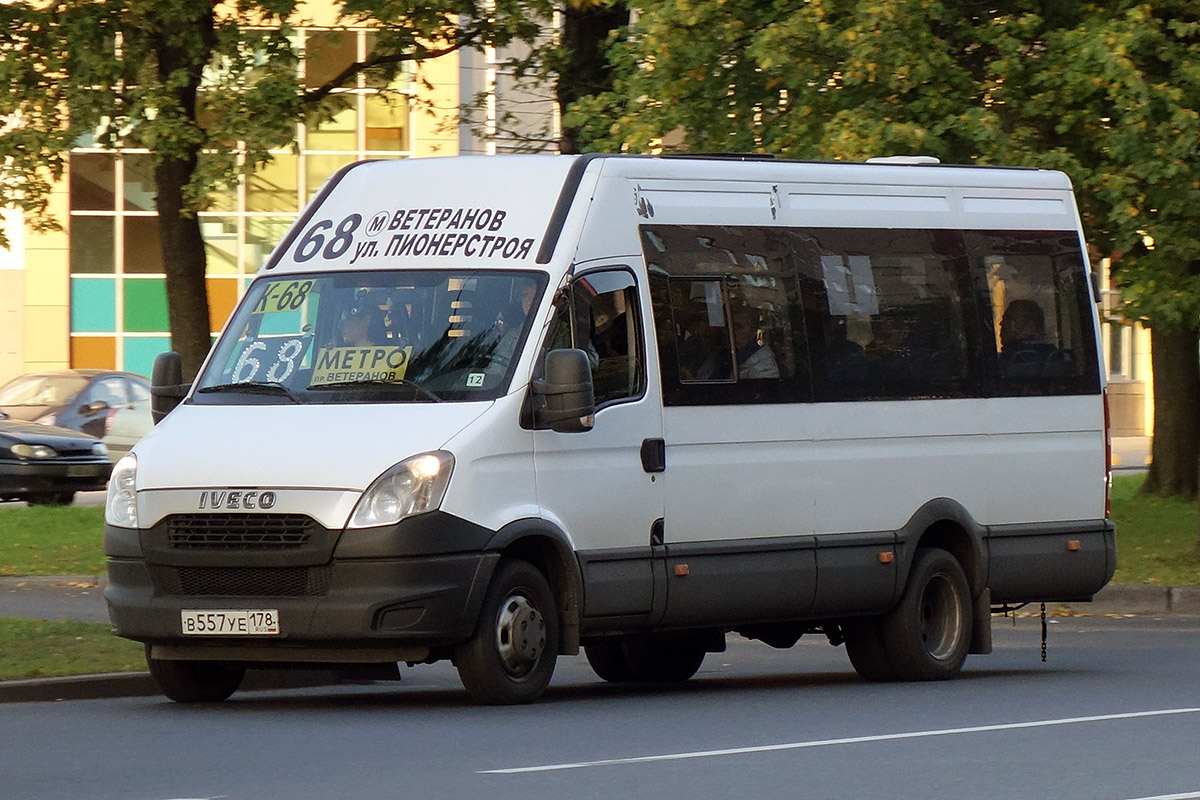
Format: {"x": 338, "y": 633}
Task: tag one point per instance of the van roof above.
{"x": 510, "y": 208}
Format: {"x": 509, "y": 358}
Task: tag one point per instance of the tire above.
{"x": 608, "y": 660}
{"x": 195, "y": 681}
{"x": 867, "y": 651}
{"x": 51, "y": 499}
{"x": 926, "y": 637}
{"x": 511, "y": 657}
{"x": 664, "y": 660}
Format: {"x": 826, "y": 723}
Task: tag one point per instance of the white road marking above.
{"x": 1185, "y": 796}
{"x": 886, "y": 737}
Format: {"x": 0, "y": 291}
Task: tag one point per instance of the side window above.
{"x": 138, "y": 392}
{"x": 886, "y": 313}
{"x": 111, "y": 390}
{"x": 1040, "y": 311}
{"x": 728, "y": 314}
{"x": 599, "y": 314}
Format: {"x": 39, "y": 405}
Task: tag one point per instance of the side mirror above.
{"x": 166, "y": 385}
{"x": 569, "y": 404}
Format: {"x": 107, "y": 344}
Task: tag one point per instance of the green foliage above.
{"x": 1107, "y": 92}
{"x": 215, "y": 86}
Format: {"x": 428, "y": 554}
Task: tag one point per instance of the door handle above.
{"x": 654, "y": 455}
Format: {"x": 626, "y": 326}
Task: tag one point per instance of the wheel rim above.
{"x": 941, "y": 618}
{"x": 520, "y": 635}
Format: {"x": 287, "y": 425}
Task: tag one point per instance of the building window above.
{"x": 118, "y": 288}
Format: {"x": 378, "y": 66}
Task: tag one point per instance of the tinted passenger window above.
{"x": 1038, "y": 301}
{"x": 768, "y": 314}
{"x": 727, "y": 311}
{"x": 885, "y": 313}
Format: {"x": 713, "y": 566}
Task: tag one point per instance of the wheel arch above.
{"x": 547, "y": 547}
{"x": 946, "y": 524}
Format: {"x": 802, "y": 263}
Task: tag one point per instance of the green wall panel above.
{"x": 146, "y": 305}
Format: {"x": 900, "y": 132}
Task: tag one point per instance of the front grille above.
{"x": 239, "y": 531}
{"x": 245, "y": 581}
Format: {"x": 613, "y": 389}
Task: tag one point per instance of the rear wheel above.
{"x": 868, "y": 654}
{"x": 608, "y": 660}
{"x": 665, "y": 660}
{"x": 928, "y": 634}
{"x": 195, "y": 681}
{"x": 511, "y": 657}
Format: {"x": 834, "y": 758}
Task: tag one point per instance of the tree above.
{"x": 566, "y": 63}
{"x": 1148, "y": 180}
{"x": 1107, "y": 93}
{"x": 208, "y": 88}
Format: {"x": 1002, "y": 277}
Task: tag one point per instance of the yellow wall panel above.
{"x": 47, "y": 344}
{"x": 12, "y": 324}
{"x": 435, "y": 123}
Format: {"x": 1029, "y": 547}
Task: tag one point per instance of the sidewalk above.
{"x": 1130, "y": 453}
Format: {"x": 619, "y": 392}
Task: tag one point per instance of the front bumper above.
{"x": 24, "y": 477}
{"x": 366, "y": 598}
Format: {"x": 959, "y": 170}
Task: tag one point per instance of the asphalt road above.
{"x": 1113, "y": 715}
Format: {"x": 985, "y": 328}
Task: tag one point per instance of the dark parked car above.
{"x": 87, "y": 400}
{"x": 47, "y": 464}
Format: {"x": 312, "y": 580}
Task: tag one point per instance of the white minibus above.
{"x": 501, "y": 409}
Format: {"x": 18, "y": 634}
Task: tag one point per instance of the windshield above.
{"x": 41, "y": 390}
{"x": 407, "y": 336}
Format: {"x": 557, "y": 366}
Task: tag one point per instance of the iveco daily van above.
{"x": 495, "y": 410}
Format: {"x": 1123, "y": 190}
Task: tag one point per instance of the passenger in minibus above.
{"x": 755, "y": 360}
{"x": 1023, "y": 346}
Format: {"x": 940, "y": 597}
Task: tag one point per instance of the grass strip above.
{"x": 51, "y": 540}
{"x": 1156, "y": 537}
{"x": 38, "y": 648}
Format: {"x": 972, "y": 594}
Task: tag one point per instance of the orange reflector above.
{"x": 1073, "y": 545}
{"x": 681, "y": 570}
{"x": 887, "y": 557}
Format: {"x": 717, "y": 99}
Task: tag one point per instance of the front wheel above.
{"x": 928, "y": 634}
{"x": 511, "y": 657}
{"x": 194, "y": 681}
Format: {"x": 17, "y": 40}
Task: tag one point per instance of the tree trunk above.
{"x": 185, "y": 263}
{"x": 183, "y": 49}
{"x": 1175, "y": 462}
{"x": 586, "y": 70}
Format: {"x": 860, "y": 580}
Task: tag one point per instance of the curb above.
{"x": 139, "y": 684}
{"x": 1157, "y": 601}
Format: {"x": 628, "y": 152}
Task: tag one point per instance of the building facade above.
{"x": 94, "y": 294}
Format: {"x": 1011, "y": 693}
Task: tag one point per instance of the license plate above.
{"x": 81, "y": 471}
{"x": 230, "y": 622}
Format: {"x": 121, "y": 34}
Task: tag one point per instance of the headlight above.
{"x": 121, "y": 508}
{"x": 413, "y": 486}
{"x": 99, "y": 449}
{"x": 33, "y": 451}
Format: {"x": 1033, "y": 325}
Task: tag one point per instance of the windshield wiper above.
{"x": 253, "y": 387}
{"x": 376, "y": 382}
